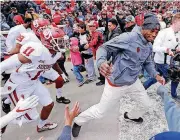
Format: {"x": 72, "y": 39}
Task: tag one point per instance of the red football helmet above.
{"x": 53, "y": 39}
{"x": 39, "y": 25}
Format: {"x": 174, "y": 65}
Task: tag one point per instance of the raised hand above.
{"x": 70, "y": 115}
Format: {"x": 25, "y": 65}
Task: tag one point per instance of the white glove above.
{"x": 24, "y": 105}
{"x": 64, "y": 77}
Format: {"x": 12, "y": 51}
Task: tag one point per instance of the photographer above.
{"x": 165, "y": 42}
{"x": 30, "y": 13}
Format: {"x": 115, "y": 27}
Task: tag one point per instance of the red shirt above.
{"x": 139, "y": 19}
{"x": 48, "y": 11}
{"x": 56, "y": 18}
{"x": 95, "y": 42}
{"x": 38, "y": 2}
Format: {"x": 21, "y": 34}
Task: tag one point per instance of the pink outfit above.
{"x": 75, "y": 56}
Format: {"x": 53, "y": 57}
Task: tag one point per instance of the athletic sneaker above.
{"x": 47, "y": 126}
{"x": 6, "y": 107}
{"x": 75, "y": 130}
{"x": 81, "y": 84}
{"x": 62, "y": 100}
{"x": 89, "y": 81}
{"x": 139, "y": 120}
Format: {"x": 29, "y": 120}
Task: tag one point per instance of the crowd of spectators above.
{"x": 88, "y": 24}
{"x": 108, "y": 19}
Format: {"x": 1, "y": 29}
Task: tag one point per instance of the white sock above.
{"x": 59, "y": 92}
{"x": 41, "y": 123}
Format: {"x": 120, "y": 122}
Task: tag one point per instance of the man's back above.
{"x": 13, "y": 34}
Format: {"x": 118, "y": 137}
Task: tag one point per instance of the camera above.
{"x": 174, "y": 70}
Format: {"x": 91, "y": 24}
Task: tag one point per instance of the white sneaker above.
{"x": 47, "y": 126}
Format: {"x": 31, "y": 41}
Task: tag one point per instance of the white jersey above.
{"x": 42, "y": 61}
{"x": 24, "y": 38}
{"x": 13, "y": 34}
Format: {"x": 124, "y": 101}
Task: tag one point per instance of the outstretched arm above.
{"x": 69, "y": 117}
{"x": 172, "y": 111}
{"x": 13, "y": 62}
{"x": 22, "y": 107}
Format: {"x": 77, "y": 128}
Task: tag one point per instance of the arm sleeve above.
{"x": 158, "y": 43}
{"x": 150, "y": 67}
{"x": 66, "y": 133}
{"x": 31, "y": 52}
{"x": 10, "y": 40}
{"x": 10, "y": 63}
{"x": 115, "y": 45}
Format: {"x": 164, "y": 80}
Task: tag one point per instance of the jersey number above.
{"x": 28, "y": 51}
{"x": 20, "y": 38}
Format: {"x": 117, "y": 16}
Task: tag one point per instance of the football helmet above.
{"x": 54, "y": 39}
{"x": 39, "y": 25}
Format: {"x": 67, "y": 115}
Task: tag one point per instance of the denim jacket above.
{"x": 130, "y": 52}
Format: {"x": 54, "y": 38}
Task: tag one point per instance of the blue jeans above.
{"x": 172, "y": 112}
{"x": 42, "y": 79}
{"x": 163, "y": 70}
{"x": 77, "y": 73}
{"x": 146, "y": 75}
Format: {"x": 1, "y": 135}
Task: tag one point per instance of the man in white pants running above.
{"x": 130, "y": 51}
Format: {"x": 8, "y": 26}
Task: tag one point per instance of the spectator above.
{"x": 56, "y": 17}
{"x": 75, "y": 31}
{"x": 76, "y": 60}
{"x": 172, "y": 112}
{"x": 11, "y": 16}
{"x": 5, "y": 8}
{"x": 68, "y": 8}
{"x": 61, "y": 62}
{"x": 4, "y": 25}
{"x": 80, "y": 16}
{"x": 121, "y": 20}
{"x": 34, "y": 6}
{"x": 165, "y": 41}
{"x": 162, "y": 23}
{"x": 68, "y": 29}
{"x": 87, "y": 54}
{"x": 58, "y": 6}
{"x": 95, "y": 10}
{"x": 113, "y": 31}
{"x": 3, "y": 46}
{"x": 103, "y": 22}
{"x": 130, "y": 23}
{"x": 21, "y": 6}
{"x": 96, "y": 38}
{"x": 63, "y": 20}
{"x": 168, "y": 19}
{"x": 71, "y": 19}
{"x": 30, "y": 13}
{"x": 44, "y": 15}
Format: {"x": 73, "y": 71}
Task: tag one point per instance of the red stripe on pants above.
{"x": 12, "y": 99}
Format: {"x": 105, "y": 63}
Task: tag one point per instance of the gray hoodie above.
{"x": 130, "y": 52}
